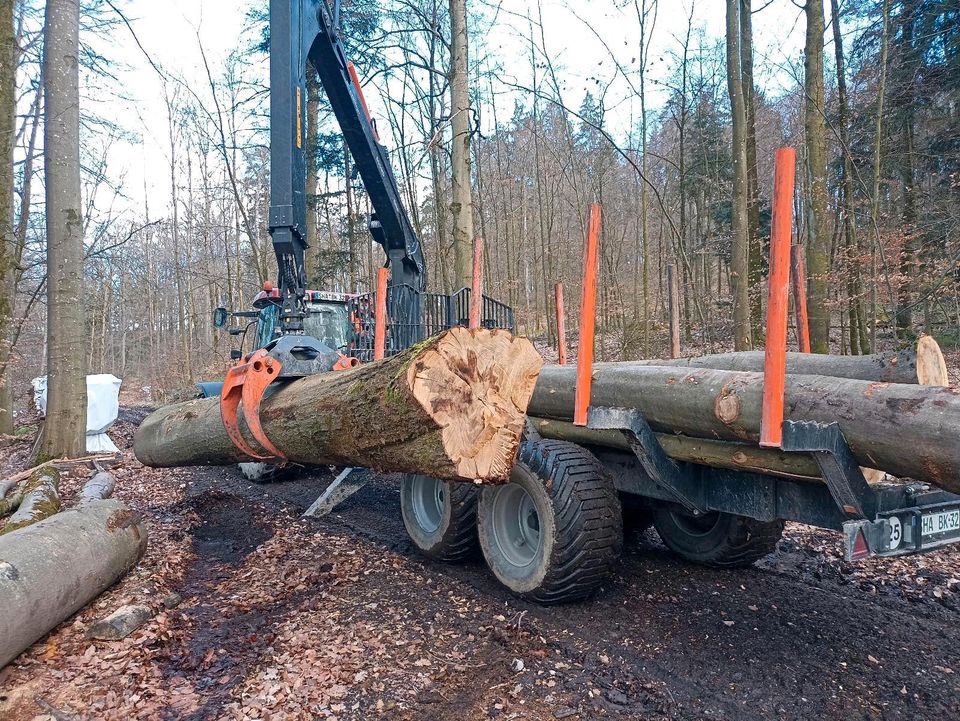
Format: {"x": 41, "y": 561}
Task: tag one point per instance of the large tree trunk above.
{"x": 64, "y": 432}
{"x": 818, "y": 245}
{"x": 462, "y": 204}
{"x": 740, "y": 241}
{"x": 8, "y": 245}
{"x": 452, "y": 407}
{"x": 923, "y": 366}
{"x": 880, "y": 420}
{"x": 54, "y": 568}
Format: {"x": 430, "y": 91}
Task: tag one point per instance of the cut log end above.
{"x": 479, "y": 438}
{"x": 931, "y": 365}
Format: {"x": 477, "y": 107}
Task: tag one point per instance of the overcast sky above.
{"x": 169, "y": 30}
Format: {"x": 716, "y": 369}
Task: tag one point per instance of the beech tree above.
{"x": 8, "y": 254}
{"x": 461, "y": 204}
{"x": 64, "y": 431}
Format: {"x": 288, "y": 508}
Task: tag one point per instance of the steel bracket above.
{"x": 826, "y": 443}
{"x": 661, "y": 469}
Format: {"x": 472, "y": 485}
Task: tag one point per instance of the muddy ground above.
{"x": 264, "y": 614}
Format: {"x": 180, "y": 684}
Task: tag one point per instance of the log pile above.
{"x": 694, "y": 400}
{"x": 451, "y": 407}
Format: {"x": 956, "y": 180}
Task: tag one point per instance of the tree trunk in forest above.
{"x": 8, "y": 245}
{"x": 64, "y": 431}
{"x": 705, "y": 452}
{"x": 461, "y": 205}
{"x": 859, "y": 341}
{"x": 879, "y": 420}
{"x": 754, "y": 241}
{"x": 740, "y": 242}
{"x": 924, "y": 365}
{"x": 451, "y": 407}
{"x": 877, "y": 154}
{"x": 54, "y": 568}
{"x": 818, "y": 244}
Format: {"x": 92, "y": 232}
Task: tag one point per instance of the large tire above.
{"x": 440, "y": 517}
{"x": 554, "y": 533}
{"x": 721, "y": 540}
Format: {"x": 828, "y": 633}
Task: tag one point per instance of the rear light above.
{"x": 860, "y": 547}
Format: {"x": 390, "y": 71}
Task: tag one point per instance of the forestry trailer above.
{"x": 675, "y": 447}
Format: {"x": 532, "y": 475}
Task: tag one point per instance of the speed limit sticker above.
{"x": 896, "y": 532}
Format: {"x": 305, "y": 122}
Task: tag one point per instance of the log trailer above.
{"x": 554, "y": 532}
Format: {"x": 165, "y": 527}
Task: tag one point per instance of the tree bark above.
{"x": 705, "y": 452}
{"x": 740, "y": 242}
{"x": 818, "y": 245}
{"x": 924, "y": 365}
{"x": 64, "y": 432}
{"x": 462, "y": 204}
{"x": 879, "y": 420}
{"x": 451, "y": 407}
{"x": 37, "y": 498}
{"x": 8, "y": 244}
{"x": 55, "y": 567}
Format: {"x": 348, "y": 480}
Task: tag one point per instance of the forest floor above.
{"x": 264, "y": 614}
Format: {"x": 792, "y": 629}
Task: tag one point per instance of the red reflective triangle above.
{"x": 860, "y": 547}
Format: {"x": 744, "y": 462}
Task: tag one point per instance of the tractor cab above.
{"x": 327, "y": 320}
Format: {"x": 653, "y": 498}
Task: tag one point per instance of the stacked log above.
{"x": 879, "y": 420}
{"x": 923, "y": 364}
{"x": 451, "y": 407}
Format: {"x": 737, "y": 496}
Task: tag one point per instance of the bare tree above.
{"x": 818, "y": 242}
{"x": 8, "y": 253}
{"x": 461, "y": 204}
{"x": 64, "y": 432}
{"x": 740, "y": 242}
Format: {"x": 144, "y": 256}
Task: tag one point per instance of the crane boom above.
{"x": 302, "y": 30}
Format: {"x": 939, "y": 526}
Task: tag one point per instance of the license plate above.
{"x": 932, "y": 524}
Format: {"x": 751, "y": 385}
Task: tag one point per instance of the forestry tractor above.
{"x": 554, "y": 532}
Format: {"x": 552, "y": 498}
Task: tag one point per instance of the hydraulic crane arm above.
{"x": 302, "y": 30}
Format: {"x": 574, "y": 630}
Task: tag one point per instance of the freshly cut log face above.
{"x": 923, "y": 365}
{"x": 907, "y": 431}
{"x": 451, "y": 407}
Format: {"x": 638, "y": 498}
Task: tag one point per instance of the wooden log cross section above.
{"x": 451, "y": 407}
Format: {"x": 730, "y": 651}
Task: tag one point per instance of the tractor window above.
{"x": 267, "y": 325}
{"x": 329, "y": 323}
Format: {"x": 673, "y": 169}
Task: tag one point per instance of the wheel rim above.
{"x": 699, "y": 525}
{"x": 428, "y": 496}
{"x": 515, "y": 524}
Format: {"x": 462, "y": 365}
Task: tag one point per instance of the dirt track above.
{"x": 285, "y": 617}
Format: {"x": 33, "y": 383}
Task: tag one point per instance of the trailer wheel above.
{"x": 722, "y": 540}
{"x": 554, "y": 532}
{"x": 440, "y": 517}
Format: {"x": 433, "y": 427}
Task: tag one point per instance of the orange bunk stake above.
{"x": 588, "y": 312}
{"x": 476, "y": 293}
{"x": 778, "y": 299}
{"x": 380, "y": 316}
{"x": 798, "y": 267}
{"x": 561, "y": 324}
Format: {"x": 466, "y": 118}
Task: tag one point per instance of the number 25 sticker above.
{"x": 896, "y": 533}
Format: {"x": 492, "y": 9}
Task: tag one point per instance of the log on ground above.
{"x": 923, "y": 365}
{"x": 52, "y": 569}
{"x": 451, "y": 407}
{"x": 37, "y": 498}
{"x": 907, "y": 431}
